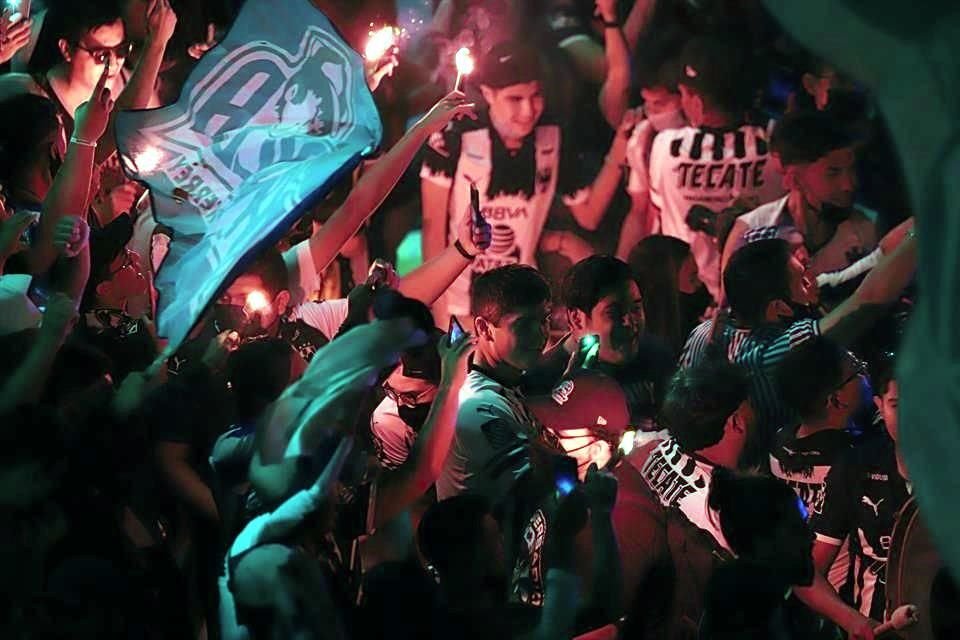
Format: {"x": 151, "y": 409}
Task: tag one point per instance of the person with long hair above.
{"x": 674, "y": 297}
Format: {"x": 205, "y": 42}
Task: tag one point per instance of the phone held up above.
{"x": 455, "y": 332}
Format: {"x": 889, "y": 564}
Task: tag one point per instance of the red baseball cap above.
{"x": 585, "y": 400}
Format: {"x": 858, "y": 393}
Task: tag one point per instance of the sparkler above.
{"x": 465, "y": 66}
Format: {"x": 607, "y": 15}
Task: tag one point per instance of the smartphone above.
{"x": 475, "y": 204}
{"x": 455, "y": 331}
{"x": 564, "y": 474}
{"x": 38, "y": 296}
{"x": 17, "y": 10}
{"x": 589, "y": 348}
{"x": 379, "y": 274}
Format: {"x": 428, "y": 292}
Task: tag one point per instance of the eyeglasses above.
{"x": 102, "y": 55}
{"x": 406, "y": 398}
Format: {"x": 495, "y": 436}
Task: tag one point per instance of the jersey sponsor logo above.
{"x": 499, "y": 213}
{"x": 881, "y": 477}
{"x": 721, "y": 175}
{"x": 672, "y": 475}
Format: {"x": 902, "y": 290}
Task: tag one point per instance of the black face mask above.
{"x": 801, "y": 312}
{"x": 833, "y": 214}
{"x": 692, "y": 305}
{"x": 414, "y": 416}
{"x": 232, "y": 317}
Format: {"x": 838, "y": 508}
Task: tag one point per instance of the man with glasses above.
{"x": 864, "y": 492}
{"x": 826, "y": 386}
{"x": 410, "y": 390}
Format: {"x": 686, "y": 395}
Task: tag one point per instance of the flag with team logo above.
{"x": 266, "y": 123}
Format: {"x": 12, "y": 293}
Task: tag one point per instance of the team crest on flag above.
{"x": 265, "y": 125}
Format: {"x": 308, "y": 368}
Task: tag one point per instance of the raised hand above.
{"x": 93, "y": 115}
{"x": 161, "y": 21}
{"x": 454, "y": 358}
{"x": 58, "y": 318}
{"x": 71, "y": 235}
{"x": 377, "y": 70}
{"x": 451, "y": 107}
{"x": 475, "y": 239}
{"x": 606, "y": 9}
{"x": 13, "y": 37}
{"x": 600, "y": 488}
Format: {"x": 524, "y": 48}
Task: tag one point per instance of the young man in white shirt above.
{"x": 717, "y": 162}
{"x": 518, "y": 162}
{"x": 819, "y": 167}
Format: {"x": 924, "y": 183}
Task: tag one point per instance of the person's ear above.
{"x": 777, "y": 309}
{"x": 878, "y": 403}
{"x": 487, "y": 93}
{"x": 789, "y": 173}
{"x": 64, "y": 48}
{"x": 577, "y": 319}
{"x": 104, "y": 289}
{"x": 482, "y": 328}
{"x": 281, "y": 302}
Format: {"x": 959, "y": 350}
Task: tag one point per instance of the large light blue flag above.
{"x": 266, "y": 124}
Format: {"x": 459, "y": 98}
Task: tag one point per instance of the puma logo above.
{"x": 870, "y": 503}
{"x": 789, "y": 451}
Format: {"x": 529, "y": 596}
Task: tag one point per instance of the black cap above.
{"x": 510, "y": 63}
{"x": 719, "y": 69}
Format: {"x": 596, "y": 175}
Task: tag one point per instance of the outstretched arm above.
{"x": 377, "y": 183}
{"x": 590, "y": 213}
{"x": 615, "y": 92}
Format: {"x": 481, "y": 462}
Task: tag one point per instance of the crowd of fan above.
{"x": 661, "y": 405}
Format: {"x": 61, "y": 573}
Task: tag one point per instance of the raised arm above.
{"x": 26, "y": 384}
{"x": 377, "y": 183}
{"x": 881, "y": 287}
{"x": 69, "y": 194}
{"x": 398, "y": 489}
{"x": 590, "y": 213}
{"x": 430, "y": 280}
{"x": 615, "y": 92}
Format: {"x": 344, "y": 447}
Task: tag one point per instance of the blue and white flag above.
{"x": 266, "y": 124}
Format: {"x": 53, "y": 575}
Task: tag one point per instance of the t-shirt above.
{"x": 489, "y": 450}
{"x": 393, "y": 439}
{"x": 713, "y": 169}
{"x": 516, "y": 192}
{"x": 669, "y": 541}
{"x": 853, "y": 238}
{"x": 760, "y": 350}
{"x": 644, "y": 381}
{"x": 864, "y": 493}
{"x": 804, "y": 463}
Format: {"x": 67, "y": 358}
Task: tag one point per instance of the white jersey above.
{"x": 704, "y": 171}
{"x": 456, "y": 159}
{"x": 853, "y": 239}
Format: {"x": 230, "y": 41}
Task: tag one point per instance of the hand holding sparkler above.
{"x": 380, "y": 55}
{"x": 465, "y": 66}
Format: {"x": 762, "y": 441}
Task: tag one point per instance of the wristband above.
{"x": 83, "y": 143}
{"x": 611, "y": 25}
{"x": 459, "y": 247}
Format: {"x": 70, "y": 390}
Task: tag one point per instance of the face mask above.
{"x": 414, "y": 416}
{"x": 692, "y": 305}
{"x": 833, "y": 214}
{"x": 666, "y": 120}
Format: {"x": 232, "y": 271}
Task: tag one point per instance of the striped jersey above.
{"x": 696, "y": 173}
{"x": 760, "y": 350}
